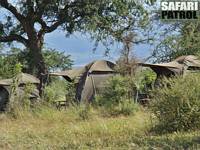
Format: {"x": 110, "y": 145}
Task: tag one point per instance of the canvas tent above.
{"x": 179, "y": 66}
{"x": 24, "y": 79}
{"x": 90, "y": 79}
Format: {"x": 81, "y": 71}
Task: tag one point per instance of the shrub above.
{"x": 177, "y": 104}
{"x": 125, "y": 107}
{"x": 58, "y": 91}
{"x": 19, "y": 97}
{"x": 117, "y": 98}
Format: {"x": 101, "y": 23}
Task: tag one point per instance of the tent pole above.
{"x": 93, "y": 85}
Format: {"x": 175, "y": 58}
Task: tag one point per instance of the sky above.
{"x": 80, "y": 47}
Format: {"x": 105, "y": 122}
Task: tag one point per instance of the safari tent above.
{"x": 89, "y": 79}
{"x": 180, "y": 66}
{"x": 24, "y": 79}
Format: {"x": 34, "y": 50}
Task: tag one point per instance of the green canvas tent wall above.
{"x": 180, "y": 66}
{"x": 24, "y": 79}
{"x": 90, "y": 79}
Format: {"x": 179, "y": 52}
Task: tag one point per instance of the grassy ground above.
{"x": 51, "y": 129}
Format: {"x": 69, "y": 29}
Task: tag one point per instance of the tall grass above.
{"x": 53, "y": 129}
{"x": 48, "y": 128}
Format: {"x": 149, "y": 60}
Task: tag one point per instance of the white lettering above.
{"x": 190, "y": 6}
{"x": 196, "y": 6}
{"x": 164, "y": 6}
{"x": 176, "y": 6}
{"x": 183, "y": 6}
{"x": 171, "y": 6}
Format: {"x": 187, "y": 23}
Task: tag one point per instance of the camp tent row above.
{"x": 89, "y": 79}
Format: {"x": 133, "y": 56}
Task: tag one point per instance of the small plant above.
{"x": 83, "y": 112}
{"x": 14, "y": 94}
{"x": 25, "y": 99}
{"x": 177, "y": 104}
{"x": 128, "y": 107}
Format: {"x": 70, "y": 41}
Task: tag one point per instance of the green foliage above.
{"x": 8, "y": 62}
{"x": 117, "y": 98}
{"x": 55, "y": 91}
{"x": 184, "y": 39}
{"x": 14, "y": 93}
{"x": 56, "y": 60}
{"x": 125, "y": 108}
{"x": 116, "y": 90}
{"x": 19, "y": 98}
{"x": 148, "y": 78}
{"x": 189, "y": 40}
{"x": 177, "y": 104}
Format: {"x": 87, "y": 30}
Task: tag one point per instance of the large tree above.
{"x": 27, "y": 22}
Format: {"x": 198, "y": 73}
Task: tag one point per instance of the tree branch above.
{"x": 47, "y": 29}
{"x": 12, "y": 9}
{"x": 54, "y": 26}
{"x": 13, "y": 37}
{"x": 140, "y": 41}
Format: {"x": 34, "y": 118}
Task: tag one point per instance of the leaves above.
{"x": 54, "y": 60}
{"x": 57, "y": 60}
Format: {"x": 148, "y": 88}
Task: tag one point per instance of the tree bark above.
{"x": 37, "y": 64}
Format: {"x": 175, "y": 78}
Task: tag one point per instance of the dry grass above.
{"x": 52, "y": 129}
{"x": 56, "y": 130}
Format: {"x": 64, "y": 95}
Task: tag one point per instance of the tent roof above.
{"x": 175, "y": 66}
{"x": 172, "y": 64}
{"x": 70, "y": 74}
{"x": 190, "y": 60}
{"x": 95, "y": 66}
{"x": 101, "y": 66}
{"x": 24, "y": 79}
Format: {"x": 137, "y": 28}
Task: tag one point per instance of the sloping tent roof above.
{"x": 99, "y": 66}
{"x": 176, "y": 67}
{"x": 5, "y": 88}
{"x": 190, "y": 61}
{"x": 90, "y": 78}
{"x": 69, "y": 75}
{"x": 166, "y": 68}
{"x": 24, "y": 78}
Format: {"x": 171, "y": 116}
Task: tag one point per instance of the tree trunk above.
{"x": 37, "y": 64}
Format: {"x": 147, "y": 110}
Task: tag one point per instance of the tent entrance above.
{"x": 4, "y": 98}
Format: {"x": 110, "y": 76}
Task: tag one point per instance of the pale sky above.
{"x": 80, "y": 48}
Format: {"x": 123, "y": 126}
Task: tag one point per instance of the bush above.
{"x": 58, "y": 91}
{"x": 125, "y": 107}
{"x": 177, "y": 104}
{"x": 117, "y": 98}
